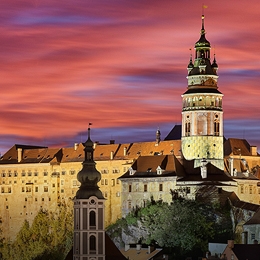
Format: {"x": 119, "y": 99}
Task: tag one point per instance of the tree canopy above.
{"x": 184, "y": 226}
{"x": 49, "y": 237}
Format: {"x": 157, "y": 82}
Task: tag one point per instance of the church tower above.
{"x": 89, "y": 230}
{"x": 202, "y": 115}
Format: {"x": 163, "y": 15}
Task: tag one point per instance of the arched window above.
{"x": 92, "y": 219}
{"x": 216, "y": 128}
{"x": 92, "y": 244}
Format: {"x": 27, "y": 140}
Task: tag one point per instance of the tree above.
{"x": 49, "y": 237}
{"x": 184, "y": 226}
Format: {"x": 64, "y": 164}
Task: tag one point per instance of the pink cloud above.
{"x": 119, "y": 64}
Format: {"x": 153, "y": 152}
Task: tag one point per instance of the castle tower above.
{"x": 202, "y": 115}
{"x": 89, "y": 230}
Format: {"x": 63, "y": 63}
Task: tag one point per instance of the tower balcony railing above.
{"x": 188, "y": 108}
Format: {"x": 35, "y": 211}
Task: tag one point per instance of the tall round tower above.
{"x": 202, "y": 115}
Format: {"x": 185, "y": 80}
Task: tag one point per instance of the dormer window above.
{"x": 131, "y": 171}
{"x": 159, "y": 170}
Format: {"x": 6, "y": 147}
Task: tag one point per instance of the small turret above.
{"x": 158, "y": 136}
{"x": 190, "y": 65}
{"x": 214, "y": 65}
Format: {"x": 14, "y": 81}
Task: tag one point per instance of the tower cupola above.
{"x": 89, "y": 176}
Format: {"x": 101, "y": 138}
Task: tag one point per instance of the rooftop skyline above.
{"x": 122, "y": 66}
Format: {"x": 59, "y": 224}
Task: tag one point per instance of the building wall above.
{"x": 136, "y": 192}
{"x": 252, "y": 233}
{"x": 26, "y": 188}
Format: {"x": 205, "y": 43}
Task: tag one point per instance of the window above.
{"x": 187, "y": 128}
{"x": 23, "y": 173}
{"x": 42, "y": 199}
{"x": 74, "y": 183}
{"x": 160, "y": 187}
{"x": 72, "y": 172}
{"x": 92, "y": 244}
{"x": 113, "y": 182}
{"x": 130, "y": 188}
{"x": 63, "y": 172}
{"x": 118, "y": 194}
{"x": 242, "y": 189}
{"x": 9, "y": 174}
{"x": 53, "y": 185}
{"x": 129, "y": 205}
{"x": 23, "y": 189}
{"x": 145, "y": 187}
{"x": 29, "y": 173}
{"x": 250, "y": 189}
{"x": 35, "y": 173}
{"x": 45, "y": 173}
{"x": 15, "y": 174}
{"x": 102, "y": 181}
{"x": 36, "y": 189}
{"x": 252, "y": 236}
{"x": 106, "y": 181}
{"x": 62, "y": 190}
{"x": 62, "y": 182}
{"x": 45, "y": 188}
{"x": 92, "y": 219}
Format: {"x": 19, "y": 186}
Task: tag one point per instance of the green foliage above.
{"x": 49, "y": 237}
{"x": 185, "y": 226}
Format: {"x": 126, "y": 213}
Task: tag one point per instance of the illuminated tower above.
{"x": 89, "y": 230}
{"x": 202, "y": 115}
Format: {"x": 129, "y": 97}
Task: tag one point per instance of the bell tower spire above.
{"x": 202, "y": 115}
{"x": 89, "y": 210}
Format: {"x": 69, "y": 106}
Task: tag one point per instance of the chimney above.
{"x": 150, "y": 249}
{"x": 19, "y": 154}
{"x": 231, "y": 166}
{"x": 203, "y": 168}
{"x": 112, "y": 141}
{"x": 76, "y": 146}
{"x": 138, "y": 247}
{"x": 95, "y": 144}
{"x": 112, "y": 155}
{"x": 253, "y": 150}
{"x": 231, "y": 243}
{"x": 125, "y": 150}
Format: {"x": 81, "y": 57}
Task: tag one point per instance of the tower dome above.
{"x": 89, "y": 176}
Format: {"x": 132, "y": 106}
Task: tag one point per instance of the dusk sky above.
{"x": 121, "y": 65}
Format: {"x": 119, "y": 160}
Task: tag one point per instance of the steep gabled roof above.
{"x": 255, "y": 219}
{"x": 73, "y": 154}
{"x": 234, "y": 146}
{"x": 214, "y": 174}
{"x": 246, "y": 252}
{"x": 31, "y": 154}
{"x": 146, "y": 166}
{"x": 152, "y": 148}
{"x": 175, "y": 133}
